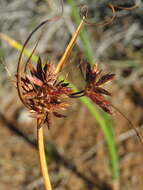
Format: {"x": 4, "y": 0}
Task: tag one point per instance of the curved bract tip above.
{"x": 19, "y": 68}
{"x": 84, "y": 13}
{"x": 127, "y": 8}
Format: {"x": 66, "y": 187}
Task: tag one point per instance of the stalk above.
{"x": 69, "y": 48}
{"x": 44, "y": 167}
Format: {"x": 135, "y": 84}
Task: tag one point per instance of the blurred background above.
{"x": 84, "y": 150}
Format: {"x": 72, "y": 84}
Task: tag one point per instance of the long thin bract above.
{"x": 130, "y": 123}
{"x": 22, "y": 51}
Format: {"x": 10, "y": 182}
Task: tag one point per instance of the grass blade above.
{"x": 103, "y": 120}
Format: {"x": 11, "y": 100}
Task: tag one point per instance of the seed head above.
{"x": 93, "y": 87}
{"x": 43, "y": 93}
{"x": 94, "y": 81}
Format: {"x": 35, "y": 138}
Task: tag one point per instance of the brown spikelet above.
{"x": 94, "y": 81}
{"x": 93, "y": 89}
{"x": 43, "y": 92}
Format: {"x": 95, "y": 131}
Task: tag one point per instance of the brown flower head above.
{"x": 43, "y": 93}
{"x": 93, "y": 89}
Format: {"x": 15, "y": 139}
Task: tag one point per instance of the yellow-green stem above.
{"x": 69, "y": 47}
{"x": 43, "y": 163}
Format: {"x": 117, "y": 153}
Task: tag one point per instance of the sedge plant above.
{"x": 43, "y": 92}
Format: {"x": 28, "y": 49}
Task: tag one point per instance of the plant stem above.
{"x": 83, "y": 35}
{"x": 43, "y": 162}
{"x": 69, "y": 48}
